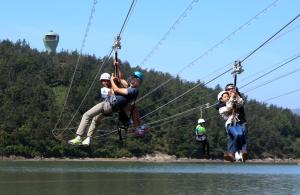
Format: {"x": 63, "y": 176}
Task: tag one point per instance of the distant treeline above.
{"x": 33, "y": 86}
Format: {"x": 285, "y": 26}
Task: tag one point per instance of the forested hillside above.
{"x": 33, "y": 86}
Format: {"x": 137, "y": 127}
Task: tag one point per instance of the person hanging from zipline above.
{"x": 241, "y": 117}
{"x": 104, "y": 95}
{"x": 201, "y": 136}
{"x": 122, "y": 98}
{"x": 235, "y": 132}
{"x": 231, "y": 108}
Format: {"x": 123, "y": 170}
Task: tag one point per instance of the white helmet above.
{"x": 201, "y": 120}
{"x": 220, "y": 94}
{"x": 105, "y": 76}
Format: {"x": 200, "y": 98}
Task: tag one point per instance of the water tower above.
{"x": 51, "y": 40}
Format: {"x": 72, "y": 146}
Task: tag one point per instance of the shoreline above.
{"x": 157, "y": 158}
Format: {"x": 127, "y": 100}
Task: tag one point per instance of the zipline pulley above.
{"x": 117, "y": 43}
{"x": 116, "y": 46}
{"x": 205, "y": 106}
{"x": 237, "y": 69}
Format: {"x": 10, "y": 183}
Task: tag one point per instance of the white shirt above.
{"x": 225, "y": 111}
{"x": 105, "y": 92}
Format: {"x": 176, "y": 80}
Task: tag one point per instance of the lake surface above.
{"x": 130, "y": 178}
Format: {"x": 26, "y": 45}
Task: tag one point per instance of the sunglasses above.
{"x": 228, "y": 89}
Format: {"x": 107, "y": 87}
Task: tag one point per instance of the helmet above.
{"x": 220, "y": 94}
{"x": 105, "y": 76}
{"x": 229, "y": 85}
{"x": 201, "y": 120}
{"x": 138, "y": 75}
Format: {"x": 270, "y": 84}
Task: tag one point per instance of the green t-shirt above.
{"x": 200, "y": 130}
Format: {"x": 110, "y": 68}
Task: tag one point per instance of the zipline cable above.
{"x": 280, "y": 66}
{"x": 283, "y": 63}
{"x": 78, "y": 59}
{"x": 203, "y": 107}
{"x": 279, "y": 36}
{"x": 89, "y": 89}
{"x": 185, "y": 93}
{"x": 172, "y": 28}
{"x": 97, "y": 75}
{"x": 211, "y": 74}
{"x": 284, "y": 27}
{"x": 133, "y": 3}
{"x": 289, "y": 60}
{"x": 187, "y": 112}
{"x": 281, "y": 95}
{"x": 182, "y": 113}
{"x": 250, "y": 54}
{"x": 272, "y": 80}
{"x": 100, "y": 69}
{"x": 217, "y": 45}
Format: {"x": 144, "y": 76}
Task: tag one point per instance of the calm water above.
{"x": 89, "y": 178}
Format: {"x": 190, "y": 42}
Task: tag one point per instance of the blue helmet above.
{"x": 138, "y": 75}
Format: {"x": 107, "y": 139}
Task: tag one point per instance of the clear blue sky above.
{"x": 207, "y": 23}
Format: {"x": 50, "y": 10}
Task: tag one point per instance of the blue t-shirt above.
{"x": 123, "y": 100}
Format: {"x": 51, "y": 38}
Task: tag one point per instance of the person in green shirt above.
{"x": 201, "y": 136}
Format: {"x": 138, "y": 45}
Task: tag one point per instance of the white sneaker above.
{"x": 237, "y": 156}
{"x": 76, "y": 141}
{"x": 86, "y": 141}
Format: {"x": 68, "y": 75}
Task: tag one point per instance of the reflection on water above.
{"x": 88, "y": 178}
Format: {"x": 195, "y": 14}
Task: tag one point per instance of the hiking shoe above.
{"x": 86, "y": 141}
{"x": 229, "y": 157}
{"x": 245, "y": 156}
{"x": 76, "y": 141}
